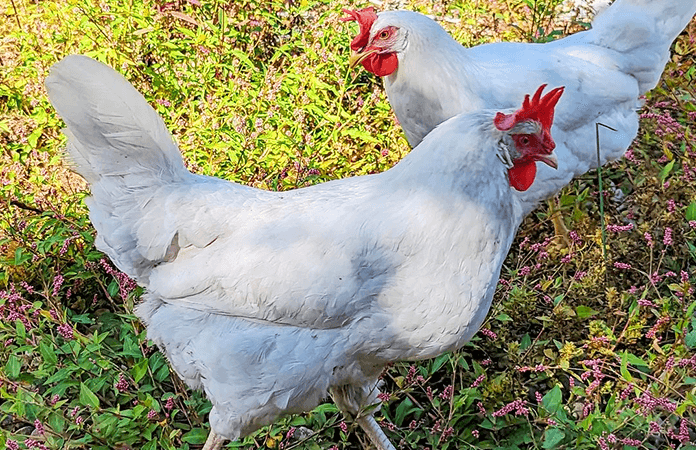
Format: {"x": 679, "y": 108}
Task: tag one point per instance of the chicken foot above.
{"x": 559, "y": 227}
{"x": 374, "y": 432}
{"x": 214, "y": 441}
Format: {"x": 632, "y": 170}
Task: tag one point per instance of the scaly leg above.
{"x": 214, "y": 441}
{"x": 374, "y": 432}
{"x": 559, "y": 227}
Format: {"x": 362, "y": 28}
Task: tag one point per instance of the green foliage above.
{"x": 579, "y": 352}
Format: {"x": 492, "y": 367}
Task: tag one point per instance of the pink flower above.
{"x": 602, "y": 444}
{"x": 649, "y": 239}
{"x": 343, "y": 426}
{"x": 478, "y": 380}
{"x": 620, "y": 265}
{"x": 619, "y": 228}
{"x": 475, "y": 433}
{"x": 579, "y": 275}
{"x": 57, "y": 283}
{"x": 667, "y": 239}
{"x": 488, "y": 333}
{"x": 626, "y": 392}
{"x": 39, "y": 427}
{"x": 518, "y": 406}
{"x": 169, "y": 404}
{"x": 151, "y": 414}
{"x": 654, "y": 428}
{"x": 66, "y": 331}
{"x": 575, "y": 237}
{"x": 122, "y": 384}
{"x": 446, "y": 394}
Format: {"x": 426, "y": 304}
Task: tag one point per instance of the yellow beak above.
{"x": 356, "y": 57}
{"x": 550, "y": 160}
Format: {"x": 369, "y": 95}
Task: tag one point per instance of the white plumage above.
{"x": 268, "y": 300}
{"x": 605, "y": 70}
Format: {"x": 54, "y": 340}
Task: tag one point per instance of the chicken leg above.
{"x": 214, "y": 441}
{"x": 374, "y": 432}
{"x": 559, "y": 228}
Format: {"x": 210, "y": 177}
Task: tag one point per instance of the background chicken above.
{"x": 429, "y": 77}
{"x": 268, "y": 300}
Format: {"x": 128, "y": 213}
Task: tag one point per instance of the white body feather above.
{"x": 604, "y": 70}
{"x": 265, "y": 299}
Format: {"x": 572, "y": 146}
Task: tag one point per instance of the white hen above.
{"x": 429, "y": 77}
{"x": 269, "y": 300}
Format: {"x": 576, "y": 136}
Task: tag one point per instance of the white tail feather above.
{"x": 121, "y": 146}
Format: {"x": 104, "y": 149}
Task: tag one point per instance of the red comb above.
{"x": 365, "y": 18}
{"x": 538, "y": 108}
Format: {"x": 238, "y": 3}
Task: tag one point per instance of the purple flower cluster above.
{"x": 488, "y": 333}
{"x": 620, "y": 228}
{"x": 122, "y": 383}
{"x": 518, "y": 407}
{"x": 125, "y": 284}
{"x": 647, "y": 404}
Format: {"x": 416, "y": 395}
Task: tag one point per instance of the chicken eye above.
{"x": 384, "y": 34}
{"x": 524, "y": 140}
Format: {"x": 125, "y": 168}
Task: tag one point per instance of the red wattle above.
{"x": 381, "y": 64}
{"x": 522, "y": 175}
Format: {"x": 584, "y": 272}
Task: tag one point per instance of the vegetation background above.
{"x": 587, "y": 346}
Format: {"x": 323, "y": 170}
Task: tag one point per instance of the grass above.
{"x": 579, "y": 351}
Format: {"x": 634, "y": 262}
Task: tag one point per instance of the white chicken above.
{"x": 429, "y": 77}
{"x": 269, "y": 300}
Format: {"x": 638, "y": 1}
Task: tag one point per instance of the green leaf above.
{"x": 552, "y": 400}
{"x": 553, "y": 437}
{"x": 402, "y": 411}
{"x": 624, "y": 368}
{"x": 195, "y": 436}
{"x": 13, "y": 367}
{"x": 584, "y": 312}
{"x": 664, "y": 173}
{"x": 112, "y": 288}
{"x": 439, "y": 362}
{"x": 139, "y": 370}
{"x": 636, "y": 361}
{"x": 87, "y": 397}
{"x": 525, "y": 342}
{"x": 691, "y": 212}
{"x": 690, "y": 339}
{"x": 48, "y": 354}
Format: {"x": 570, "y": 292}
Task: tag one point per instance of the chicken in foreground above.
{"x": 429, "y": 77}
{"x": 270, "y": 300}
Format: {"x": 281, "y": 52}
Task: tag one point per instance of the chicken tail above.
{"x": 121, "y": 146}
{"x": 642, "y": 31}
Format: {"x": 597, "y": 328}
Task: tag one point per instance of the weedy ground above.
{"x": 585, "y": 347}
